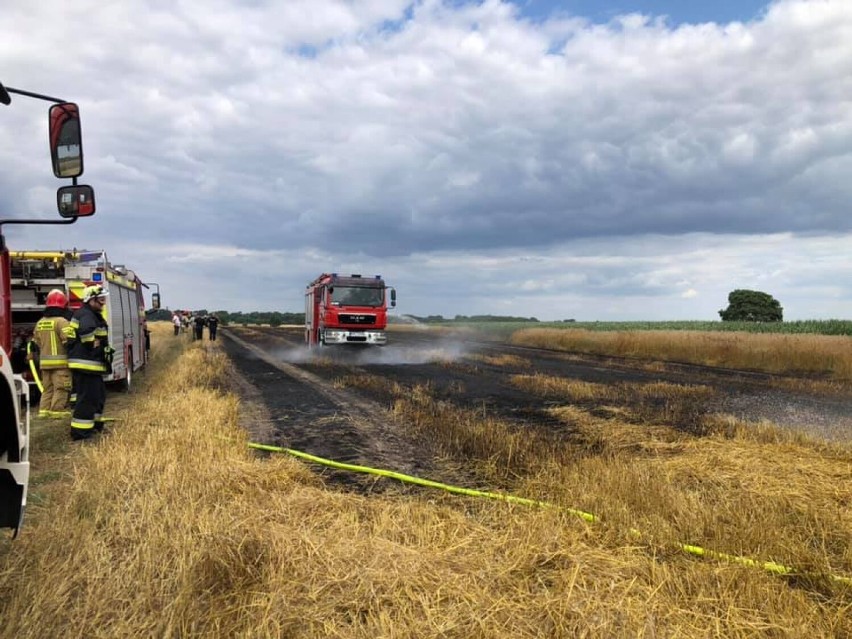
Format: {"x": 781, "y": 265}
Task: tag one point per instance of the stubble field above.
{"x": 618, "y": 496}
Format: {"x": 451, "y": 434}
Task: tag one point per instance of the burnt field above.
{"x": 343, "y": 403}
{"x": 632, "y": 499}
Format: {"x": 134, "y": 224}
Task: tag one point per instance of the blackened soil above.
{"x": 294, "y": 409}
{"x": 309, "y": 415}
{"x": 302, "y": 417}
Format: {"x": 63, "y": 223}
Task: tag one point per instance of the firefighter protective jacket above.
{"x": 88, "y": 332}
{"x": 51, "y": 336}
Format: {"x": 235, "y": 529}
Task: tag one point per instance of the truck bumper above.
{"x": 333, "y": 336}
{"x": 15, "y": 475}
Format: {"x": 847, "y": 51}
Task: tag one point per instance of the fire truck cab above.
{"x": 347, "y": 309}
{"x": 72, "y": 201}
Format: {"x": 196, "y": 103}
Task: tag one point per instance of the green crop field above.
{"x": 802, "y": 327}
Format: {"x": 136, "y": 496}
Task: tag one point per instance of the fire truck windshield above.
{"x": 357, "y": 296}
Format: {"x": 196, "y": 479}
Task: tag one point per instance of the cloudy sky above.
{"x": 587, "y": 159}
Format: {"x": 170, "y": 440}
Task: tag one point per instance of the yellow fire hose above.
{"x": 34, "y": 371}
{"x": 417, "y": 480}
{"x": 698, "y": 551}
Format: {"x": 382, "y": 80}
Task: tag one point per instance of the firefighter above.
{"x": 199, "y": 323}
{"x": 212, "y": 325}
{"x": 89, "y": 358}
{"x": 50, "y": 338}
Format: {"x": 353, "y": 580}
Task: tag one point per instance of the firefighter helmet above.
{"x": 56, "y": 299}
{"x": 93, "y": 292}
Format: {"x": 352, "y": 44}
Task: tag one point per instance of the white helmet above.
{"x": 92, "y": 292}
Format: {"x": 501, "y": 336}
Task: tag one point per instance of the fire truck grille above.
{"x": 347, "y": 318}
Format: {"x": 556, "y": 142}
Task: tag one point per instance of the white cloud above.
{"x": 429, "y": 139}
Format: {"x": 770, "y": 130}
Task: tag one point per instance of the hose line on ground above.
{"x": 698, "y": 551}
{"x": 417, "y": 480}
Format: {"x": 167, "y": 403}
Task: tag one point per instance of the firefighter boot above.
{"x": 79, "y": 434}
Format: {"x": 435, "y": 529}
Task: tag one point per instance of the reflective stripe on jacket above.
{"x": 51, "y": 338}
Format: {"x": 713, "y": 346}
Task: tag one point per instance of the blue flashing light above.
{"x": 97, "y": 277}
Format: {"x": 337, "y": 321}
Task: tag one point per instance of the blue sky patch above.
{"x": 678, "y": 11}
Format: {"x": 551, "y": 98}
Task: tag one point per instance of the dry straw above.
{"x": 774, "y": 353}
{"x": 172, "y": 527}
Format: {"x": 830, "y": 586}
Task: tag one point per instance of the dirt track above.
{"x": 291, "y": 399}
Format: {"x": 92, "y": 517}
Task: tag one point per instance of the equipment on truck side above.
{"x": 347, "y": 309}
{"x": 76, "y": 200}
{"x": 34, "y": 274}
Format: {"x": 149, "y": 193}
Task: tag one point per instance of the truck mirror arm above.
{"x": 5, "y": 98}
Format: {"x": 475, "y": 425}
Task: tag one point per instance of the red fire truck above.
{"x": 347, "y": 309}
{"x": 76, "y": 200}
{"x": 35, "y": 273}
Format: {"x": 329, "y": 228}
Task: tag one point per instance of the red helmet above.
{"x": 57, "y": 298}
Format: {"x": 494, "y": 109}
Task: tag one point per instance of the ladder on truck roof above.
{"x": 35, "y": 273}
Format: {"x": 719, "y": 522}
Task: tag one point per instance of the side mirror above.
{"x": 155, "y": 301}
{"x": 75, "y": 201}
{"x": 66, "y": 143}
{"x": 393, "y": 297}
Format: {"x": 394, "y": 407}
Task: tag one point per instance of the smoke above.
{"x": 296, "y": 355}
{"x": 390, "y": 355}
{"x": 399, "y": 354}
{"x": 408, "y": 320}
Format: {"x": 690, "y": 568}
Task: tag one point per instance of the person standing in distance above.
{"x": 212, "y": 325}
{"x": 199, "y": 323}
{"x": 89, "y": 355}
{"x": 51, "y": 339}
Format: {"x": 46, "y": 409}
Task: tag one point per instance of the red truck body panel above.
{"x": 5, "y": 302}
